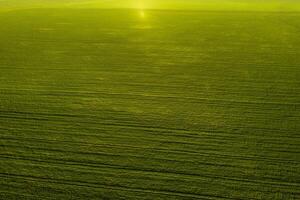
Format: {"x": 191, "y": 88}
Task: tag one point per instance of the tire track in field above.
{"x": 106, "y": 186}
{"x": 233, "y": 180}
{"x": 156, "y": 149}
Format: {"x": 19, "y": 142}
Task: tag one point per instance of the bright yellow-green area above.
{"x": 230, "y": 5}
{"x": 214, "y": 5}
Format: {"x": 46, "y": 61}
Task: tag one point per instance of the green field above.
{"x": 149, "y": 104}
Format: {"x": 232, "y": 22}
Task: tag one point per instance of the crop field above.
{"x": 149, "y": 104}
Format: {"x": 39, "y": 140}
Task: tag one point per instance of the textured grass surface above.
{"x": 114, "y": 104}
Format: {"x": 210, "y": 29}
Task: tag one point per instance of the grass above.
{"x": 111, "y": 104}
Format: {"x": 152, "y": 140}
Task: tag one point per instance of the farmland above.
{"x": 149, "y": 104}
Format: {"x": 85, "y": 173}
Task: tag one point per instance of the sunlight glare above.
{"x": 142, "y": 14}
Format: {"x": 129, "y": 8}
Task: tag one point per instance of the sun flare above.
{"x": 142, "y": 14}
